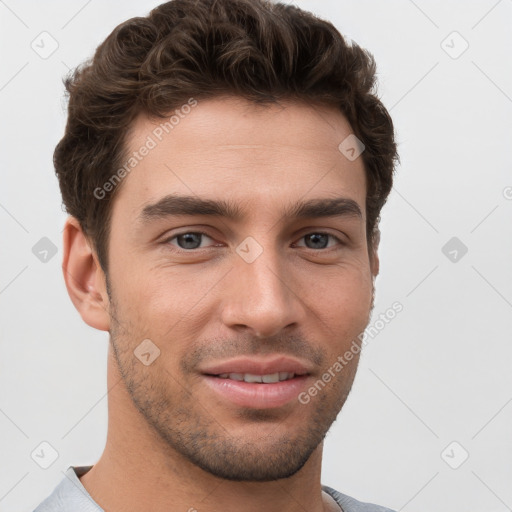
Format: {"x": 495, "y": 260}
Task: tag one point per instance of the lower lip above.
{"x": 257, "y": 395}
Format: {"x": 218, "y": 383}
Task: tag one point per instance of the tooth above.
{"x": 269, "y": 378}
{"x": 249, "y": 377}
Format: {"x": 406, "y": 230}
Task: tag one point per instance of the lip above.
{"x": 257, "y": 395}
{"x": 261, "y": 366}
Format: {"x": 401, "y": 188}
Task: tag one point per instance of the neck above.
{"x": 138, "y": 471}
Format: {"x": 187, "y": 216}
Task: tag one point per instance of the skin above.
{"x": 172, "y": 444}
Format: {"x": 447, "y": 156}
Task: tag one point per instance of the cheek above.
{"x": 342, "y": 301}
{"x": 163, "y": 299}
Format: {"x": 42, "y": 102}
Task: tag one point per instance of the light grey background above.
{"x": 438, "y": 373}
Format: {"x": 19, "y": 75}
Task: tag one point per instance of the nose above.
{"x": 262, "y": 297}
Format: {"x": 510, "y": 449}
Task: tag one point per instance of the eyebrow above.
{"x": 174, "y": 205}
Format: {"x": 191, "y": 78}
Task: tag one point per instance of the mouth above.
{"x": 250, "y": 391}
{"x": 257, "y": 384}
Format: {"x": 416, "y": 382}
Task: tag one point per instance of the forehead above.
{"x": 229, "y": 147}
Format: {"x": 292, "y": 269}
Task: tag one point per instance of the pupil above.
{"x": 191, "y": 240}
{"x": 317, "y": 238}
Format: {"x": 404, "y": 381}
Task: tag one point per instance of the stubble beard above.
{"x": 191, "y": 430}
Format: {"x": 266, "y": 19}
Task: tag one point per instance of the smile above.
{"x": 267, "y": 391}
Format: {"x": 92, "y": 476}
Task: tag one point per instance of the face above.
{"x": 238, "y": 248}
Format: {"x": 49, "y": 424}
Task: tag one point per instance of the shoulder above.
{"x": 69, "y": 495}
{"x": 349, "y": 504}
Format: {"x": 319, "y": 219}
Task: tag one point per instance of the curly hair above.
{"x": 255, "y": 49}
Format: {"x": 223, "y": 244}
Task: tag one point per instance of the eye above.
{"x": 319, "y": 240}
{"x": 191, "y": 240}
{"x": 188, "y": 240}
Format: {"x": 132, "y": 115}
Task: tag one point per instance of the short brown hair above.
{"x": 256, "y": 49}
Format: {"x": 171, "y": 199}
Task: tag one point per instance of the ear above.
{"x": 84, "y": 277}
{"x": 374, "y": 256}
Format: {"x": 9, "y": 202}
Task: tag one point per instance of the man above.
{"x": 224, "y": 166}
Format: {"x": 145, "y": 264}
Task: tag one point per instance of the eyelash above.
{"x": 168, "y": 240}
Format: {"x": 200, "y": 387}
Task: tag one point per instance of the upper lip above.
{"x": 260, "y": 366}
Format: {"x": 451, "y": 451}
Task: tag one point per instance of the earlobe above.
{"x": 84, "y": 277}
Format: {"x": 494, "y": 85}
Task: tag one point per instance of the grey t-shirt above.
{"x": 71, "y": 496}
